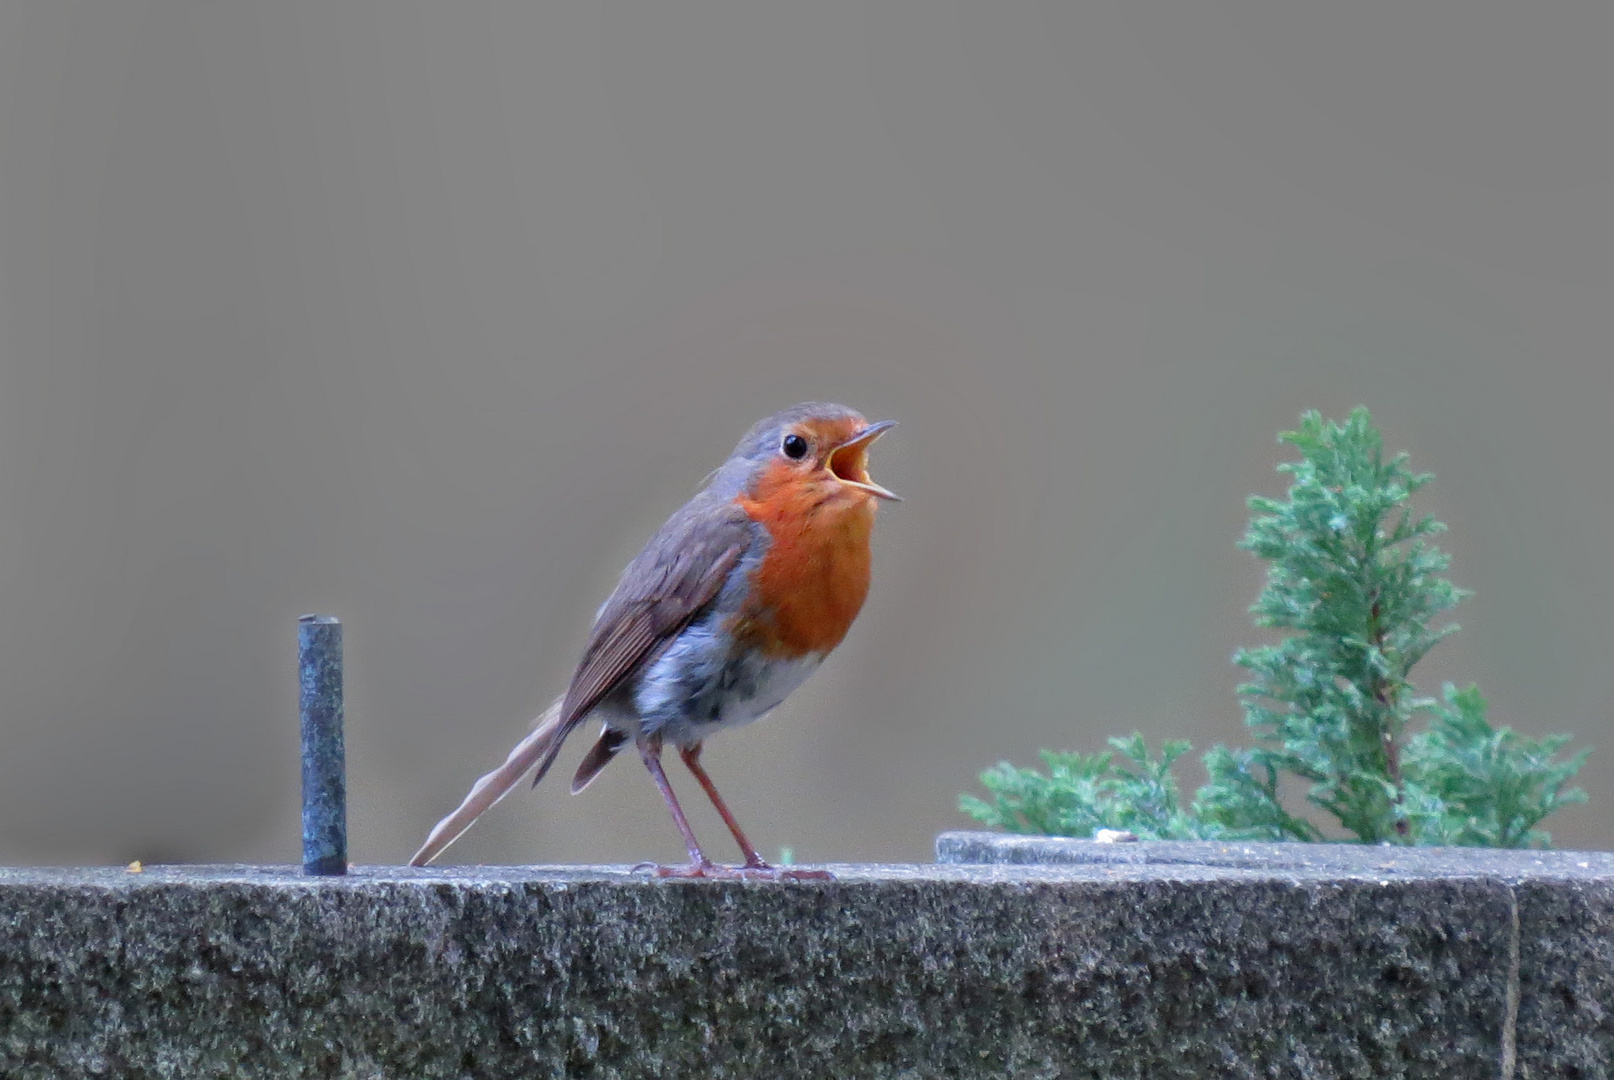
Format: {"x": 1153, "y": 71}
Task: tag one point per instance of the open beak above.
{"x": 850, "y": 460}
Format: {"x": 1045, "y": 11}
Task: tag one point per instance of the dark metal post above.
{"x": 319, "y": 661}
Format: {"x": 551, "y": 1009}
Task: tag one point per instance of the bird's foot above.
{"x": 765, "y": 871}
{"x": 749, "y": 872}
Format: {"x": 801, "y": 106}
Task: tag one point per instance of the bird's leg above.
{"x": 699, "y": 864}
{"x": 692, "y": 759}
{"x": 754, "y": 865}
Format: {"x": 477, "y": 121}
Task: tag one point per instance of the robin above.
{"x": 732, "y": 604}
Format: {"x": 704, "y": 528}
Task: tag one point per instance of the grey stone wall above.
{"x": 1114, "y": 964}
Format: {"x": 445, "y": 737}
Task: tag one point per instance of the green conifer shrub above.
{"x": 1354, "y": 580}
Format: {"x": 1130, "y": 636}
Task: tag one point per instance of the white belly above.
{"x": 696, "y": 688}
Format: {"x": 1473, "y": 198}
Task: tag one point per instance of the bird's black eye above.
{"x": 795, "y": 447}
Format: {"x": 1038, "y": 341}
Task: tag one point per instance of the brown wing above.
{"x": 677, "y": 574}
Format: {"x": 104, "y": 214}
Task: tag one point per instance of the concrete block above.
{"x": 1086, "y": 969}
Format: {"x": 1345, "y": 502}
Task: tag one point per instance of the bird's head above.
{"x": 818, "y": 449}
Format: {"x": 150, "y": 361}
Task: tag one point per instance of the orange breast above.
{"x": 815, "y": 575}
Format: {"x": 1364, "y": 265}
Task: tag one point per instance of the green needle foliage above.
{"x": 1470, "y": 784}
{"x": 1352, "y": 572}
{"x": 1355, "y": 581}
{"x": 1086, "y": 792}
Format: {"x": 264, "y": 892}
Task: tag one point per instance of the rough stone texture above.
{"x": 1557, "y": 970}
{"x": 1566, "y": 977}
{"x": 1095, "y": 969}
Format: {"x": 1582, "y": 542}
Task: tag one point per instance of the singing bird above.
{"x": 729, "y": 607}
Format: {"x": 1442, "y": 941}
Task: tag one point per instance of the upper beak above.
{"x": 861, "y": 441}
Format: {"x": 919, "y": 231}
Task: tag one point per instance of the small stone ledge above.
{"x": 1368, "y": 860}
{"x": 1141, "y": 961}
{"x": 1555, "y": 968}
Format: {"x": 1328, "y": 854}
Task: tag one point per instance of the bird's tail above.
{"x": 540, "y": 748}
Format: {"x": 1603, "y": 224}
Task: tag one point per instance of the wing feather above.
{"x": 679, "y": 572}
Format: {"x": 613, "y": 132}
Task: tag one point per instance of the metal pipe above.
{"x": 319, "y": 661}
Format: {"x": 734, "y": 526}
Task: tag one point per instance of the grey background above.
{"x": 427, "y": 314}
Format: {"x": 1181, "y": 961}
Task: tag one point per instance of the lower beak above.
{"x": 858, "y": 444}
